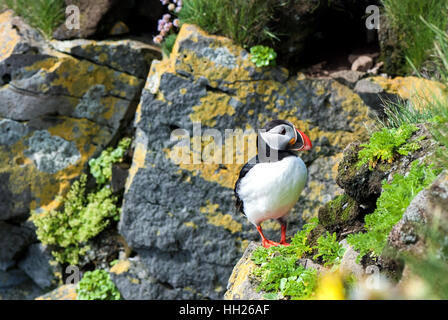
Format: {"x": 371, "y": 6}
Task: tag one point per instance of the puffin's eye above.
{"x": 283, "y": 131}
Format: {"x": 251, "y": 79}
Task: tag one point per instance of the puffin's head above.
{"x": 282, "y": 135}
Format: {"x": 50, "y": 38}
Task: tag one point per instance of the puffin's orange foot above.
{"x": 269, "y": 243}
{"x": 284, "y": 243}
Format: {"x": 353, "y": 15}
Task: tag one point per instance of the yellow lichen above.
{"x": 121, "y": 267}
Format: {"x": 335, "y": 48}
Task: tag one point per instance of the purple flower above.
{"x": 177, "y": 10}
{"x": 164, "y": 2}
{"x": 166, "y": 17}
{"x": 158, "y": 39}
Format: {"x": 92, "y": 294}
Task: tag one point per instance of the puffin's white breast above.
{"x": 270, "y": 190}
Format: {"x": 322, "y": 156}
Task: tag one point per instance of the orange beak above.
{"x": 307, "y": 145}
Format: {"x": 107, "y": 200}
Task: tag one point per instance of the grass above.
{"x": 417, "y": 40}
{"x": 44, "y": 15}
{"x": 244, "y": 21}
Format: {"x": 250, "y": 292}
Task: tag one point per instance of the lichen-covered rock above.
{"x": 65, "y": 292}
{"x": 376, "y": 91}
{"x": 240, "y": 285}
{"x": 57, "y": 111}
{"x": 131, "y": 57}
{"x": 180, "y": 216}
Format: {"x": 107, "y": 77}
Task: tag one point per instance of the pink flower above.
{"x": 166, "y": 17}
{"x": 158, "y": 39}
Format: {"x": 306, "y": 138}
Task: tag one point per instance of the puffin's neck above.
{"x": 266, "y": 154}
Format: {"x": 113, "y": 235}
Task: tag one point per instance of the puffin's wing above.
{"x": 244, "y": 170}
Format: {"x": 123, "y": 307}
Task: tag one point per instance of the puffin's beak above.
{"x": 307, "y": 145}
{"x": 297, "y": 145}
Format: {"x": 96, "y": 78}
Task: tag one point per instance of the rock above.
{"x": 135, "y": 283}
{"x": 361, "y": 184}
{"x": 26, "y": 290}
{"x": 102, "y": 18}
{"x": 416, "y": 90}
{"x": 347, "y": 77}
{"x": 373, "y": 94}
{"x": 119, "y": 176}
{"x": 12, "y": 278}
{"x": 362, "y": 64}
{"x": 96, "y": 18}
{"x": 128, "y": 56}
{"x": 348, "y": 263}
{"x": 13, "y": 242}
{"x": 180, "y": 217}
{"x": 65, "y": 292}
{"x": 240, "y": 285}
{"x": 38, "y": 266}
{"x": 57, "y": 112}
{"x": 339, "y": 215}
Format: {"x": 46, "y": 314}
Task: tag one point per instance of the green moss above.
{"x": 386, "y": 144}
{"x": 101, "y": 167}
{"x": 338, "y": 212}
{"x": 82, "y": 218}
{"x": 392, "y": 203}
{"x": 97, "y": 285}
{"x": 329, "y": 249}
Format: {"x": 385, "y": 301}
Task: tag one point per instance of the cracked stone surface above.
{"x": 180, "y": 217}
{"x": 57, "y": 111}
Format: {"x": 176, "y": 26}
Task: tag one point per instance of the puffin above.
{"x": 269, "y": 184}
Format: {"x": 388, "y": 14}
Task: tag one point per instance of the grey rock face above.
{"x": 181, "y": 217}
{"x": 14, "y": 240}
{"x": 36, "y": 265}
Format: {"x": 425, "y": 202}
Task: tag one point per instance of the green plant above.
{"x": 403, "y": 112}
{"x": 244, "y": 21}
{"x": 168, "y": 44}
{"x": 329, "y": 249}
{"x": 82, "y": 218}
{"x": 262, "y": 56}
{"x": 97, "y": 285}
{"x": 101, "y": 167}
{"x": 278, "y": 272}
{"x": 385, "y": 144}
{"x": 45, "y": 15}
{"x": 390, "y": 206}
{"x": 416, "y": 40}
